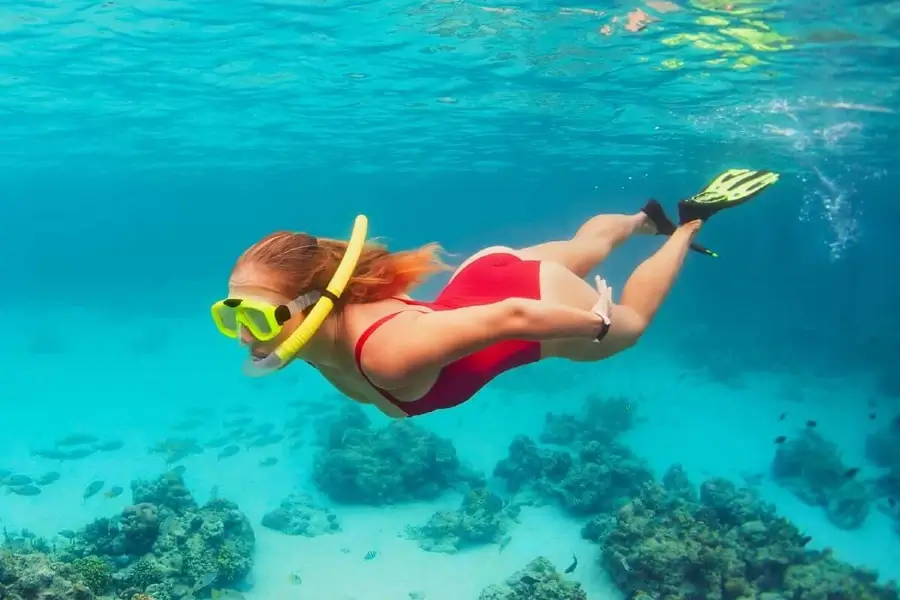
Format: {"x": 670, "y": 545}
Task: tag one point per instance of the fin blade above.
{"x": 735, "y": 185}
{"x": 722, "y": 181}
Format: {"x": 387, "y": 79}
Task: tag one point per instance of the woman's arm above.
{"x": 430, "y": 341}
{"x": 543, "y": 321}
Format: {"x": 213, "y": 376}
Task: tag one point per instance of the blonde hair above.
{"x": 302, "y": 263}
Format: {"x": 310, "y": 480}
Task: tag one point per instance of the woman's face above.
{"x": 252, "y": 283}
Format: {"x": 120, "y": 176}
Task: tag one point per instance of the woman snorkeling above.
{"x": 503, "y": 307}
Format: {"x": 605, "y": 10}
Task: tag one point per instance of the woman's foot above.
{"x": 645, "y": 226}
{"x": 655, "y": 220}
{"x": 692, "y": 227}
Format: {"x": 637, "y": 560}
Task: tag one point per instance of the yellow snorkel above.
{"x": 320, "y": 310}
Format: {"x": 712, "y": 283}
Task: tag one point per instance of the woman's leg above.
{"x": 641, "y": 298}
{"x": 651, "y": 282}
{"x": 591, "y": 244}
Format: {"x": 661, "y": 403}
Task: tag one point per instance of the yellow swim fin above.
{"x": 731, "y": 188}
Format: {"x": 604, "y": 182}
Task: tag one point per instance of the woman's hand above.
{"x": 603, "y": 307}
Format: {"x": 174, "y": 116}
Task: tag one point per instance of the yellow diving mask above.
{"x": 265, "y": 321}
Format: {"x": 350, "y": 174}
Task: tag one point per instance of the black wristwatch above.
{"x": 604, "y": 329}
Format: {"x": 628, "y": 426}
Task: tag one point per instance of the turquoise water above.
{"x": 146, "y": 144}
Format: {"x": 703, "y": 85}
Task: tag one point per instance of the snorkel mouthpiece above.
{"x": 289, "y": 348}
{"x": 257, "y": 367}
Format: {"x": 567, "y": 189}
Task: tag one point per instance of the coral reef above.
{"x": 530, "y": 468}
{"x": 593, "y": 473}
{"x": 37, "y": 576}
{"x": 727, "y": 545}
{"x": 298, "y": 514}
{"x": 537, "y": 581}
{"x": 483, "y": 518}
{"x": 163, "y": 545}
{"x": 600, "y": 477}
{"x": 140, "y": 527}
{"x": 330, "y": 430}
{"x": 677, "y": 483}
{"x": 400, "y": 462}
{"x": 811, "y": 468}
{"x": 95, "y": 572}
{"x": 602, "y": 420}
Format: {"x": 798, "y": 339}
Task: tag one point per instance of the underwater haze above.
{"x": 747, "y": 448}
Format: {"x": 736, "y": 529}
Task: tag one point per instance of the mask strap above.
{"x": 299, "y": 305}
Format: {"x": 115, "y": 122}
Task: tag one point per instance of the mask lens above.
{"x": 227, "y": 320}
{"x": 258, "y": 324}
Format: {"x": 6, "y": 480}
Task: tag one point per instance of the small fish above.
{"x": 92, "y": 489}
{"x": 780, "y": 439}
{"x": 238, "y": 434}
{"x": 77, "y": 439}
{"x": 528, "y": 580}
{"x": 229, "y": 451}
{"x": 268, "y": 462}
{"x": 50, "y": 454}
{"x": 851, "y": 473}
{"x": 295, "y": 578}
{"x": 109, "y": 445}
{"x": 25, "y": 490}
{"x": 265, "y": 440}
{"x": 370, "y": 555}
{"x": 48, "y": 478}
{"x": 503, "y": 544}
{"x": 113, "y": 492}
{"x": 572, "y": 567}
{"x": 68, "y": 534}
{"x": 205, "y": 581}
{"x": 871, "y": 416}
{"x": 811, "y": 423}
{"x": 805, "y": 540}
{"x": 18, "y": 480}
{"x": 783, "y": 415}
